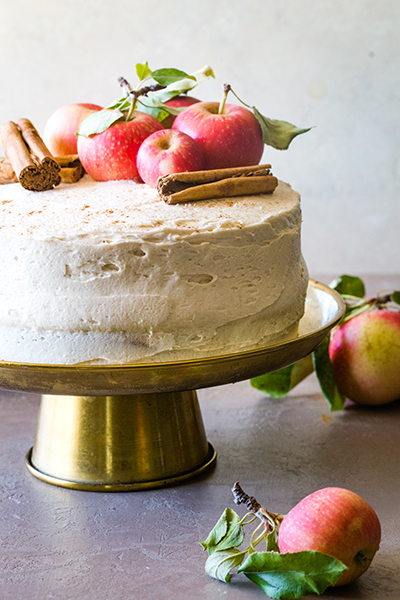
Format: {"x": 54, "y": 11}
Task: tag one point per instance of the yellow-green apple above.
{"x": 230, "y": 139}
{"x": 177, "y": 102}
{"x": 365, "y": 356}
{"x": 168, "y": 151}
{"x": 60, "y": 132}
{"x": 112, "y": 153}
{"x": 336, "y": 522}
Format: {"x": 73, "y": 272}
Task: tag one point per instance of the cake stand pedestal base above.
{"x": 120, "y": 443}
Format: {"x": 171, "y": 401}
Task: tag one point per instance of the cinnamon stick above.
{"x": 217, "y": 183}
{"x": 35, "y": 173}
{"x": 37, "y": 147}
{"x": 71, "y": 170}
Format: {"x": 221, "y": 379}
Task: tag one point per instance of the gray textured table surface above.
{"x": 62, "y": 544}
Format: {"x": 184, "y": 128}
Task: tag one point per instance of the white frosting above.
{"x": 109, "y": 273}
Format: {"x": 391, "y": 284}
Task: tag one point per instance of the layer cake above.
{"x": 100, "y": 273}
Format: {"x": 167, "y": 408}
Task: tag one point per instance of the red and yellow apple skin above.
{"x": 112, "y": 154}
{"x": 168, "y": 151}
{"x": 230, "y": 139}
{"x": 337, "y": 522}
{"x": 177, "y": 102}
{"x": 365, "y": 356}
{"x": 60, "y": 132}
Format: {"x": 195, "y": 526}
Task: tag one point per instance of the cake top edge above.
{"x": 127, "y": 207}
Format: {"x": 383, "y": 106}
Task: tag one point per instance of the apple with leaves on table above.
{"x": 360, "y": 360}
{"x": 329, "y": 538}
{"x": 168, "y": 151}
{"x": 61, "y": 129}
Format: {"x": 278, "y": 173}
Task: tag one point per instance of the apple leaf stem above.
{"x": 275, "y": 133}
{"x": 226, "y": 89}
{"x": 271, "y": 520}
{"x": 133, "y": 95}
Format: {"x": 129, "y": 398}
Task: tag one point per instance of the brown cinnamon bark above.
{"x": 71, "y": 170}
{"x": 35, "y": 173}
{"x": 17, "y": 152}
{"x": 217, "y": 183}
{"x": 38, "y": 148}
{"x": 69, "y": 160}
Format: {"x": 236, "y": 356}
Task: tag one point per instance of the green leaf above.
{"x": 279, "y": 383}
{"x": 349, "y": 285}
{"x": 121, "y": 104}
{"x": 292, "y": 575}
{"x": 170, "y": 76}
{"x": 99, "y": 122}
{"x": 395, "y": 297}
{"x": 153, "y": 103}
{"x": 227, "y": 533}
{"x": 276, "y": 384}
{"x": 157, "y": 109}
{"x": 324, "y": 372}
{"x": 277, "y": 134}
{"x": 219, "y": 564}
{"x": 143, "y": 71}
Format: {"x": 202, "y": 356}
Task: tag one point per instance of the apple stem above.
{"x": 131, "y": 109}
{"x": 226, "y": 90}
{"x": 271, "y": 520}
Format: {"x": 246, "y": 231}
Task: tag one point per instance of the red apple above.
{"x": 177, "y": 102}
{"x": 230, "y": 139}
{"x": 168, "y": 151}
{"x": 60, "y": 132}
{"x": 365, "y": 355}
{"x": 112, "y": 153}
{"x": 336, "y": 522}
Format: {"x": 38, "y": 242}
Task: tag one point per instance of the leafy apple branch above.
{"x": 170, "y": 82}
{"x": 281, "y": 576}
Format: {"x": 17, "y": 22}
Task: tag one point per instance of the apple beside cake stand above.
{"x": 132, "y": 427}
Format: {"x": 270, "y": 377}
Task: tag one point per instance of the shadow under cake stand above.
{"x": 139, "y": 426}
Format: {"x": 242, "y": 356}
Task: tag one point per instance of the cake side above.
{"x": 107, "y": 273}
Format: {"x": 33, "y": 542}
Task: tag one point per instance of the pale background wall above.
{"x": 333, "y": 64}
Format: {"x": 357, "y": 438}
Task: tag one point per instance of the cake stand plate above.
{"x": 139, "y": 426}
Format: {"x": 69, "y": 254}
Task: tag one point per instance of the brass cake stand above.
{"x": 131, "y": 427}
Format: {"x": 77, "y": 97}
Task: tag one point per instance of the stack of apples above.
{"x": 200, "y": 137}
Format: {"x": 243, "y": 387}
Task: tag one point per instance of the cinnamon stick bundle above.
{"x": 217, "y": 183}
{"x": 71, "y": 169}
{"x": 33, "y": 164}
